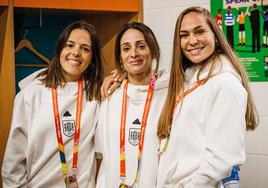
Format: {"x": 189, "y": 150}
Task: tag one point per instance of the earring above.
{"x": 121, "y": 66}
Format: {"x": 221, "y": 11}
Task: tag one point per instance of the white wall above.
{"x": 160, "y": 16}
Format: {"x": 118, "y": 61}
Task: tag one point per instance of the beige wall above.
{"x": 161, "y": 16}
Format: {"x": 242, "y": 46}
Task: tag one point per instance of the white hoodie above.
{"x": 31, "y": 158}
{"x": 208, "y": 131}
{"x": 108, "y": 135}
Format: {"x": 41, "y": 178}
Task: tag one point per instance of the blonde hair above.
{"x": 180, "y": 63}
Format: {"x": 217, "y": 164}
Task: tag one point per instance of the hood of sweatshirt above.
{"x": 223, "y": 65}
{"x": 139, "y": 92}
{"x": 30, "y": 80}
{"x": 70, "y": 88}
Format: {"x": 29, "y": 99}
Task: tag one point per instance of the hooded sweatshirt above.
{"x": 208, "y": 130}
{"x": 108, "y": 135}
{"x": 32, "y": 158}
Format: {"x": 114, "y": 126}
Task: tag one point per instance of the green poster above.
{"x": 245, "y": 25}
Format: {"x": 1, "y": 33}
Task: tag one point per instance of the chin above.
{"x": 136, "y": 71}
{"x": 195, "y": 60}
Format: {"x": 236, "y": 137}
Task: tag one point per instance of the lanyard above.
{"x": 77, "y": 128}
{"x": 142, "y": 131}
{"x": 180, "y": 97}
{"x": 178, "y": 100}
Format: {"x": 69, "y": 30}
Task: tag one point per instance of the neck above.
{"x": 70, "y": 78}
{"x": 140, "y": 79}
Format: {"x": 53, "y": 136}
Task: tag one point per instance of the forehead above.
{"x": 80, "y": 35}
{"x": 193, "y": 20}
{"x": 132, "y": 35}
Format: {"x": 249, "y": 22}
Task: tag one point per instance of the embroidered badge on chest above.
{"x": 134, "y": 136}
{"x": 134, "y": 133}
{"x": 68, "y": 124}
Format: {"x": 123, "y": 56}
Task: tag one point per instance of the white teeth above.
{"x": 74, "y": 62}
{"x": 195, "y": 51}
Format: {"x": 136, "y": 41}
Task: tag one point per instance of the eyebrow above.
{"x": 83, "y": 44}
{"x": 197, "y": 27}
{"x": 139, "y": 41}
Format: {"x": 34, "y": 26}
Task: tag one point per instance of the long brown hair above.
{"x": 180, "y": 63}
{"x": 53, "y": 76}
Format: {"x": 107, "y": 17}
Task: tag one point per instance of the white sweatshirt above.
{"x": 31, "y": 157}
{"x": 108, "y": 135}
{"x": 208, "y": 131}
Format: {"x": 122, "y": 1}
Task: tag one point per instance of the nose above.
{"x": 76, "y": 51}
{"x": 193, "y": 40}
{"x": 133, "y": 52}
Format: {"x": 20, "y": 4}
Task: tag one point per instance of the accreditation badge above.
{"x": 127, "y": 186}
{"x": 124, "y": 186}
{"x": 71, "y": 182}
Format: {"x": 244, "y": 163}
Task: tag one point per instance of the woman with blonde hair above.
{"x": 208, "y": 107}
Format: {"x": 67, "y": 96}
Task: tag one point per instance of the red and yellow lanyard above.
{"x": 179, "y": 98}
{"x": 142, "y": 131}
{"x": 77, "y": 128}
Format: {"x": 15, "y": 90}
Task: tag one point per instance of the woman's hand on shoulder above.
{"x": 112, "y": 82}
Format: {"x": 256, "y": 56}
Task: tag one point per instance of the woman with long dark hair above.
{"x": 54, "y": 117}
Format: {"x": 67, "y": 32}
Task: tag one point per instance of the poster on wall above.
{"x": 245, "y": 26}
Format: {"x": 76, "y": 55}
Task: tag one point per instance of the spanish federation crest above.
{"x": 68, "y": 127}
{"x": 134, "y": 136}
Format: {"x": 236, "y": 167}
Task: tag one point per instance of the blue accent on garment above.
{"x": 234, "y": 175}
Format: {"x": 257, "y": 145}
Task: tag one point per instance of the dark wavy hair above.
{"x": 53, "y": 76}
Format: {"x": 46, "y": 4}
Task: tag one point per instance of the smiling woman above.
{"x": 208, "y": 105}
{"x": 76, "y": 55}
{"x": 197, "y": 39}
{"x": 136, "y": 57}
{"x": 55, "y": 116}
{"x": 126, "y": 132}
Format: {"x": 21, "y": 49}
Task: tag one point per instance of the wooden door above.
{"x": 7, "y": 75}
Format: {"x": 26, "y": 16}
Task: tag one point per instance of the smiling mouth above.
{"x": 136, "y": 62}
{"x": 195, "y": 51}
{"x": 74, "y": 62}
